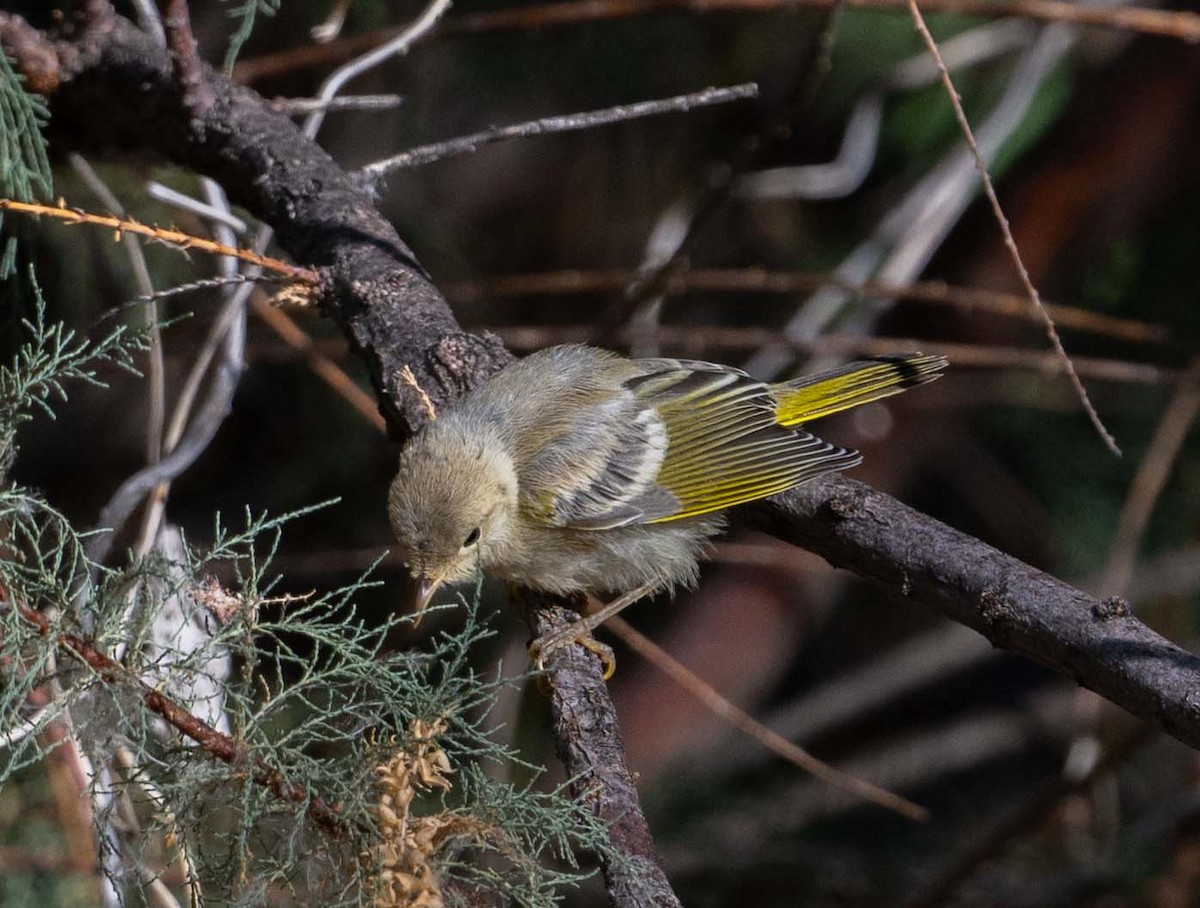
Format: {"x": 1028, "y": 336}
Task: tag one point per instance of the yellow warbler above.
{"x": 578, "y": 470}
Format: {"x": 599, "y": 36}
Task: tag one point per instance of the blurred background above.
{"x": 834, "y": 215}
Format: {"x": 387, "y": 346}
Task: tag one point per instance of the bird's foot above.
{"x": 576, "y": 632}
{"x": 581, "y": 632}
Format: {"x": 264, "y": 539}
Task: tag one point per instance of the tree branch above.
{"x": 593, "y": 754}
{"x": 1017, "y": 607}
{"x": 120, "y": 93}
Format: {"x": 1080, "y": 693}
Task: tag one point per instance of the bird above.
{"x": 579, "y": 470}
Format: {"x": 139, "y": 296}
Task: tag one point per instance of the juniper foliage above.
{"x": 299, "y": 698}
{"x": 24, "y": 164}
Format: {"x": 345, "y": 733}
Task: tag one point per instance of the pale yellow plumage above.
{"x": 579, "y": 470}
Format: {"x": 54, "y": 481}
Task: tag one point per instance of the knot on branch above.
{"x": 1110, "y": 608}
{"x": 995, "y": 607}
{"x": 847, "y": 502}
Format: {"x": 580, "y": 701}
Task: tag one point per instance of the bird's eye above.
{"x": 472, "y": 538}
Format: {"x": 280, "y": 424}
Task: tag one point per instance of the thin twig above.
{"x": 302, "y": 107}
{"x": 210, "y": 283}
{"x": 220, "y": 745}
{"x": 176, "y": 238}
{"x": 184, "y": 441}
{"x": 395, "y": 46}
{"x": 1150, "y": 480}
{"x": 125, "y": 759}
{"x": 760, "y": 280}
{"x": 137, "y": 259}
{"x": 738, "y": 718}
{"x": 185, "y": 437}
{"x": 702, "y": 340}
{"x": 198, "y": 207}
{"x": 1183, "y": 25}
{"x": 325, "y": 368}
{"x": 438, "y": 151}
{"x": 708, "y": 341}
{"x": 331, "y": 26}
{"x": 905, "y": 238}
{"x": 198, "y": 95}
{"x": 1009, "y": 243}
{"x": 694, "y": 218}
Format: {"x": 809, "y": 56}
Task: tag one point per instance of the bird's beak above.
{"x": 426, "y": 587}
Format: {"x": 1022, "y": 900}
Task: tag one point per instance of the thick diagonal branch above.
{"x": 121, "y": 93}
{"x": 1095, "y": 641}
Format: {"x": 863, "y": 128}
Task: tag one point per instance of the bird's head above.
{"x": 452, "y": 501}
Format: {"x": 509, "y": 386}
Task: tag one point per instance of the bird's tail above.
{"x": 852, "y": 385}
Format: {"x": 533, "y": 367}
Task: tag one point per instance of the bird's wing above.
{"x": 683, "y": 439}
{"x": 726, "y": 446}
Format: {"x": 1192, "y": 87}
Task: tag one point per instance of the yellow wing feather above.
{"x": 852, "y": 385}
{"x": 725, "y": 445}
{"x": 732, "y": 440}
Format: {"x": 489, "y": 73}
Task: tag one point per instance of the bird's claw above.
{"x": 550, "y": 643}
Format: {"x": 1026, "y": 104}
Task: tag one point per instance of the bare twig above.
{"x": 688, "y": 220}
{"x": 325, "y": 368}
{"x": 214, "y": 742}
{"x": 211, "y": 283}
{"x": 184, "y": 441}
{"x": 331, "y": 26}
{"x": 1150, "y": 480}
{"x": 439, "y": 151}
{"x": 759, "y": 280}
{"x": 137, "y": 259}
{"x": 185, "y": 59}
{"x": 395, "y": 46}
{"x": 860, "y": 691}
{"x": 1183, "y": 25}
{"x": 743, "y": 721}
{"x": 125, "y": 759}
{"x": 302, "y": 107}
{"x": 905, "y": 238}
{"x": 185, "y": 437}
{"x": 176, "y": 238}
{"x": 703, "y": 340}
{"x": 1009, "y": 243}
{"x": 198, "y": 207}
